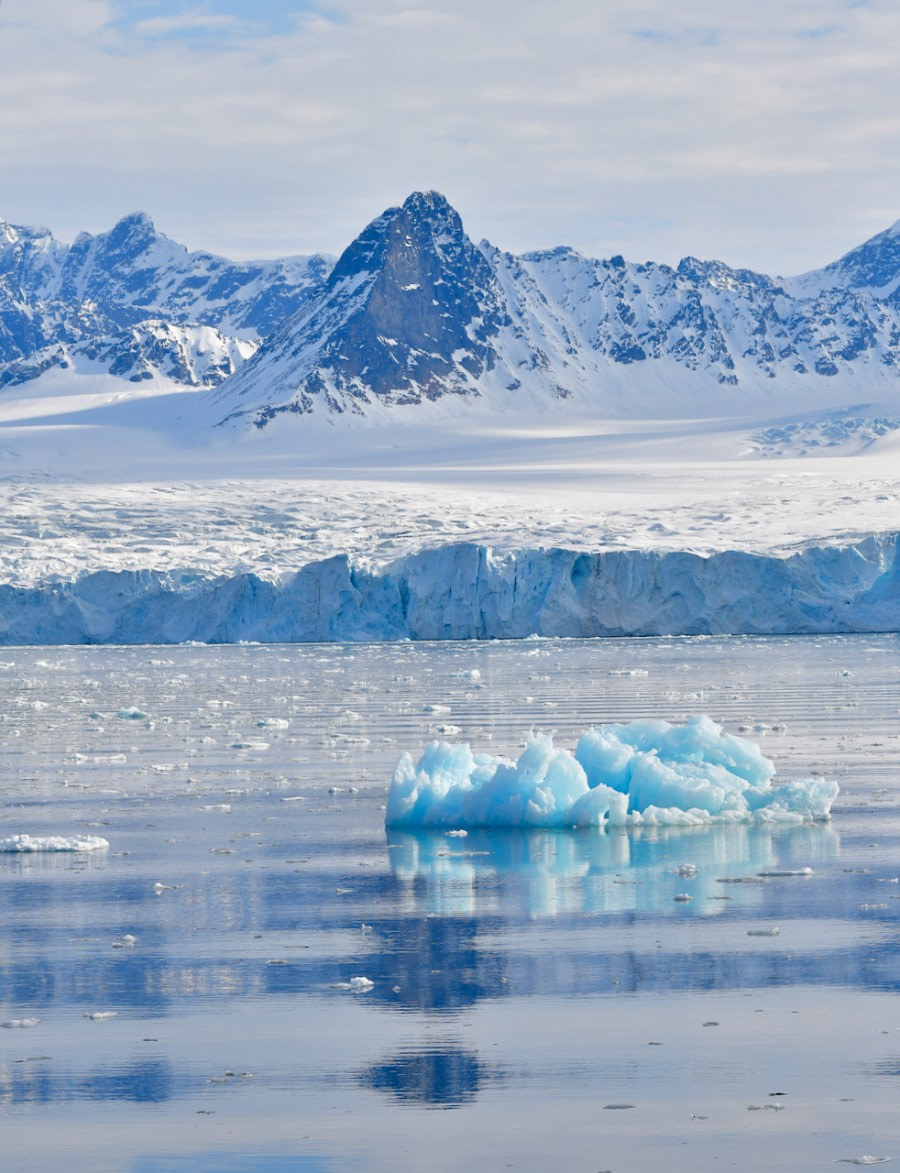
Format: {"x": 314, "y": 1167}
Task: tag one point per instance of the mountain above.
{"x": 414, "y": 311}
{"x": 873, "y": 267}
{"x": 138, "y": 304}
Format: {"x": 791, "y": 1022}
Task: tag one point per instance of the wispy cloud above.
{"x": 760, "y": 133}
{"x": 190, "y": 22}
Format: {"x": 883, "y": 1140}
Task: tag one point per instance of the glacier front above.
{"x": 473, "y": 591}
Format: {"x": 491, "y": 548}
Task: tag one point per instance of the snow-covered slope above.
{"x": 138, "y": 304}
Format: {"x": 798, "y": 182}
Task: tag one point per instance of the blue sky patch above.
{"x": 210, "y": 20}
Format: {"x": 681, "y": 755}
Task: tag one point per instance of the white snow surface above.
{"x": 646, "y": 773}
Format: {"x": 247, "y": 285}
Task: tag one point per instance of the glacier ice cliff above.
{"x": 469, "y": 591}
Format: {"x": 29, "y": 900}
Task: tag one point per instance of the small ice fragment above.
{"x": 865, "y": 1160}
{"x": 683, "y": 898}
{"x": 360, "y": 984}
{"x": 158, "y": 887}
{"x": 616, "y": 1107}
{"x": 460, "y": 833}
{"x": 102, "y": 1015}
{"x": 224, "y": 807}
{"x": 687, "y": 870}
{"x": 273, "y": 723}
{"x": 293, "y": 798}
{"x": 128, "y": 941}
{"x": 773, "y": 932}
{"x": 771, "y": 874}
{"x": 19, "y": 1023}
{"x": 710, "y": 1023}
{"x": 435, "y": 708}
{"x": 132, "y": 714}
{"x": 258, "y": 745}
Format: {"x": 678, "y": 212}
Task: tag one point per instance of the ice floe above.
{"x": 646, "y": 772}
{"x": 78, "y": 843}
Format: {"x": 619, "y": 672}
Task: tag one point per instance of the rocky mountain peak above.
{"x": 874, "y": 265}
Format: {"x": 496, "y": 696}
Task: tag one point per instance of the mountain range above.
{"x": 414, "y": 312}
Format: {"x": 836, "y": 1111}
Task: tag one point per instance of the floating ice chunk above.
{"x": 19, "y": 1023}
{"x": 357, "y": 985}
{"x": 132, "y": 714}
{"x": 865, "y": 1160}
{"x": 273, "y": 723}
{"x": 646, "y": 773}
{"x": 770, "y": 874}
{"x": 102, "y": 1015}
{"x": 77, "y": 843}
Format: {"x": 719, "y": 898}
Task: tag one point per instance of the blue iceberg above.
{"x": 648, "y": 772}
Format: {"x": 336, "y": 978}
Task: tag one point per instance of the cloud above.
{"x": 161, "y": 26}
{"x": 725, "y": 130}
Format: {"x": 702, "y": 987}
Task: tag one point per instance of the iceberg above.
{"x": 648, "y": 772}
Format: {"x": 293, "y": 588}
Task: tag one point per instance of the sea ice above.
{"x": 647, "y": 772}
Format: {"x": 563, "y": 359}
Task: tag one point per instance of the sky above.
{"x": 763, "y": 134}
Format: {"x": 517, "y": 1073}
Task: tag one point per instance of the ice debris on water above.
{"x": 357, "y": 985}
{"x": 19, "y": 1023}
{"x": 647, "y": 772}
{"x": 864, "y": 1160}
{"x": 77, "y": 843}
{"x": 102, "y": 1015}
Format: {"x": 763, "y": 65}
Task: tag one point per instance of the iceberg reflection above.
{"x": 542, "y": 873}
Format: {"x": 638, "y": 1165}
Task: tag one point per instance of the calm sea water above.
{"x": 537, "y": 1000}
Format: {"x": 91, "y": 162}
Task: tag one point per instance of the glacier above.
{"x": 646, "y": 773}
{"x": 470, "y": 590}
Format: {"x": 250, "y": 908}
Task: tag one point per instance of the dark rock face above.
{"x": 433, "y": 306}
{"x": 410, "y": 312}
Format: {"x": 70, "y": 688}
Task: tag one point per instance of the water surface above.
{"x": 537, "y": 997}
